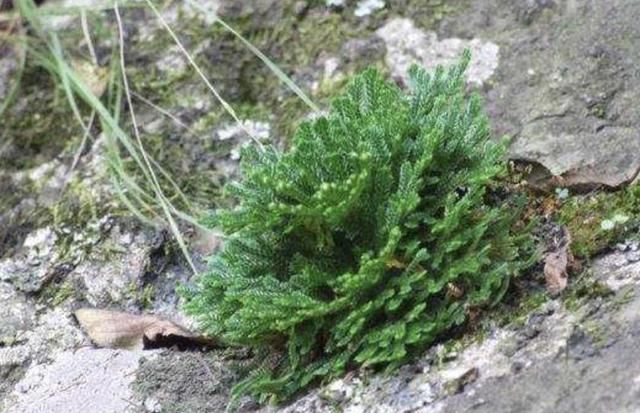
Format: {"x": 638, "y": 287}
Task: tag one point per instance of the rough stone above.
{"x": 86, "y": 380}
{"x": 53, "y": 330}
{"x": 335, "y": 3}
{"x": 34, "y": 265}
{"x": 531, "y": 9}
{"x": 184, "y": 382}
{"x": 564, "y": 88}
{"x": 363, "y": 50}
{"x": 595, "y": 370}
{"x": 115, "y": 279}
{"x": 607, "y": 383}
{"x": 172, "y": 61}
{"x": 16, "y": 314}
{"x": 407, "y": 44}
{"x": 618, "y": 270}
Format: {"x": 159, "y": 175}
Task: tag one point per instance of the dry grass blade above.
{"x": 162, "y": 200}
{"x": 87, "y": 131}
{"x": 227, "y": 107}
{"x": 268, "y": 62}
{"x": 165, "y": 112}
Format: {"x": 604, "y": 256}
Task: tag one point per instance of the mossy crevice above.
{"x": 39, "y": 125}
{"x": 598, "y": 220}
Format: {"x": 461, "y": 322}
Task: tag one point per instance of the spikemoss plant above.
{"x": 366, "y": 241}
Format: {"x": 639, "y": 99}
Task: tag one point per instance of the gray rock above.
{"x": 608, "y": 383}
{"x": 172, "y": 61}
{"x": 113, "y": 272}
{"x": 86, "y": 380}
{"x": 30, "y": 269}
{"x": 32, "y": 345}
{"x": 565, "y": 88}
{"x": 363, "y": 50}
{"x": 596, "y": 371}
{"x": 52, "y": 331}
{"x": 184, "y": 382}
{"x": 407, "y": 44}
{"x": 531, "y": 9}
{"x": 236, "y": 136}
{"x": 617, "y": 270}
{"x": 152, "y": 405}
{"x": 16, "y": 314}
{"x": 580, "y": 345}
{"x": 457, "y": 380}
{"x": 335, "y": 3}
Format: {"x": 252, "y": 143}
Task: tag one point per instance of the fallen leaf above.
{"x": 549, "y": 206}
{"x": 555, "y": 271}
{"x": 556, "y": 265}
{"x": 114, "y": 329}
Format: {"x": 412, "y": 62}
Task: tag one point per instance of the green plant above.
{"x": 366, "y": 241}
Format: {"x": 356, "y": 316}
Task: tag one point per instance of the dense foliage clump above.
{"x": 370, "y": 238}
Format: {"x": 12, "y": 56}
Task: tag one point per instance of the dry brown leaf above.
{"x": 114, "y": 329}
{"x": 555, "y": 271}
{"x": 556, "y": 265}
{"x": 549, "y": 205}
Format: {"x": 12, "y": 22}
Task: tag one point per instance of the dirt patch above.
{"x": 185, "y": 382}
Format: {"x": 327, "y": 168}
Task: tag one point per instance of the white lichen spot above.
{"x": 335, "y": 3}
{"x": 407, "y": 44}
{"x": 331, "y": 67}
{"x": 172, "y": 61}
{"x": 607, "y": 225}
{"x": 152, "y": 405}
{"x": 367, "y": 7}
{"x": 260, "y": 130}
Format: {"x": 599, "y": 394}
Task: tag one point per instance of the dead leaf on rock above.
{"x": 114, "y": 329}
{"x": 556, "y": 265}
{"x": 555, "y": 271}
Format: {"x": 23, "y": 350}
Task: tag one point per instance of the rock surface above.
{"x": 407, "y": 45}
{"x": 565, "y": 85}
{"x": 597, "y": 370}
{"x": 86, "y": 380}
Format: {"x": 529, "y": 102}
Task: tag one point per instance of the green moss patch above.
{"x": 598, "y": 220}
{"x": 39, "y": 125}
